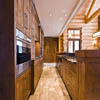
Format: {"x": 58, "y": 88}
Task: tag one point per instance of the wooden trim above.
{"x": 87, "y": 20}
{"x": 93, "y": 2}
{"x": 74, "y": 28}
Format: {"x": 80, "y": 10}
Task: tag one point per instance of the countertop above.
{"x": 68, "y": 58}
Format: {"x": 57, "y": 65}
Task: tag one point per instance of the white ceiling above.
{"x": 55, "y": 15}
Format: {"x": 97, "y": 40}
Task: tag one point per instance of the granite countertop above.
{"x": 21, "y": 68}
{"x": 73, "y": 60}
{"x": 68, "y": 58}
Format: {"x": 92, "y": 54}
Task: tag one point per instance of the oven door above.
{"x": 23, "y": 52}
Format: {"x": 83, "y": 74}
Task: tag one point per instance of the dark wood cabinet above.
{"x": 50, "y": 49}
{"x": 68, "y": 72}
{"x": 20, "y": 88}
{"x": 38, "y": 66}
{"x": 23, "y": 86}
{"x": 19, "y": 12}
{"x": 89, "y": 74}
{"x": 26, "y": 15}
{"x": 82, "y": 78}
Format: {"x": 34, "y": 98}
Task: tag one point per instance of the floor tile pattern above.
{"x": 50, "y": 86}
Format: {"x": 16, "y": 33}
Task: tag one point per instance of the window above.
{"x": 74, "y": 40}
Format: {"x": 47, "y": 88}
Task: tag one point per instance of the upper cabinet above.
{"x": 23, "y": 16}
{"x": 37, "y": 33}
{"x": 19, "y": 12}
{"x": 27, "y": 21}
{"x": 26, "y": 15}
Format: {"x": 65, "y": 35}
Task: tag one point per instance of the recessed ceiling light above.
{"x": 50, "y": 14}
{"x": 65, "y": 15}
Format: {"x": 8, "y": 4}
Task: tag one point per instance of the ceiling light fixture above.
{"x": 65, "y": 15}
{"x": 50, "y": 14}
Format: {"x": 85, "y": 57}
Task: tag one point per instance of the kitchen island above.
{"x": 81, "y": 74}
{"x": 67, "y": 67}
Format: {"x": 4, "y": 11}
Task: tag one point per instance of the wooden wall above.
{"x": 87, "y": 30}
{"x": 50, "y": 49}
{"x": 7, "y": 50}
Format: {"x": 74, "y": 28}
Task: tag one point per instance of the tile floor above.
{"x": 50, "y": 86}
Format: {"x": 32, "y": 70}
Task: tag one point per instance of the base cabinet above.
{"x": 19, "y": 89}
{"x": 23, "y": 86}
{"x": 82, "y": 78}
{"x": 38, "y": 65}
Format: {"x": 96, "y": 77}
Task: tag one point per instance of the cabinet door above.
{"x": 19, "y": 89}
{"x": 27, "y": 84}
{"x": 20, "y": 12}
{"x": 29, "y": 80}
{"x": 26, "y": 15}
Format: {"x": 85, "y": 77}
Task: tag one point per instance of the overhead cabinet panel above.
{"x": 20, "y": 12}
{"x": 26, "y": 14}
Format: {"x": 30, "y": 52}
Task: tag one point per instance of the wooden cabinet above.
{"x": 20, "y": 88}
{"x": 89, "y": 74}
{"x": 50, "y": 49}
{"x": 27, "y": 84}
{"x": 23, "y": 86}
{"x": 82, "y": 79}
{"x": 26, "y": 15}
{"x": 23, "y": 16}
{"x": 68, "y": 72}
{"x": 38, "y": 64}
{"x": 19, "y": 12}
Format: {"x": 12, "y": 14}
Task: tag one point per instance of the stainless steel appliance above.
{"x": 23, "y": 52}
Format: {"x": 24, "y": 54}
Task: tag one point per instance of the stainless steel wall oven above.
{"x": 23, "y": 51}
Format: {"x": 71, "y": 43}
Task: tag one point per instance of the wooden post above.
{"x": 7, "y": 50}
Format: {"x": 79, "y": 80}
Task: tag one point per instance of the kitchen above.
{"x": 25, "y": 45}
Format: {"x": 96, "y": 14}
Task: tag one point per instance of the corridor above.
{"x": 50, "y": 86}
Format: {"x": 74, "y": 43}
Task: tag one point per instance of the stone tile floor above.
{"x": 50, "y": 86}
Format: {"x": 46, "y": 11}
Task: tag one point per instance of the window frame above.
{"x": 69, "y": 39}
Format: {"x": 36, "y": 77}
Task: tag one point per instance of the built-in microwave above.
{"x": 23, "y": 50}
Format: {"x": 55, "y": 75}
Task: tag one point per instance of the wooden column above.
{"x": 7, "y": 50}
